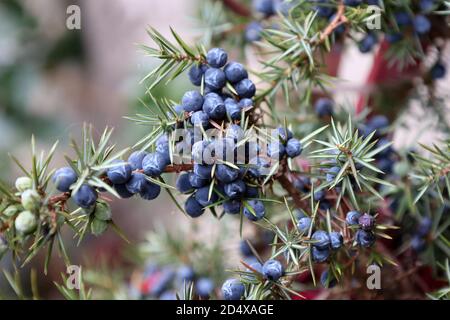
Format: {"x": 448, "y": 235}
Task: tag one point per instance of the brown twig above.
{"x": 338, "y": 20}
{"x": 237, "y": 8}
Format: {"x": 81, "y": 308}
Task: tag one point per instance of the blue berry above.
{"x": 427, "y": 5}
{"x": 204, "y": 287}
{"x": 319, "y": 195}
{"x": 273, "y": 270}
{"x": 185, "y": 274}
{"x": 63, "y": 178}
{"x": 418, "y": 243}
{"x": 122, "y": 190}
{"x": 245, "y": 88}
{"x": 216, "y": 57}
{"x": 325, "y": 205}
{"x": 233, "y": 289}
{"x": 203, "y": 197}
{"x": 214, "y": 106}
{"x": 327, "y": 280}
{"x": 336, "y": 240}
{"x": 135, "y": 159}
{"x": 196, "y": 73}
{"x": 378, "y": 122}
{"x": 119, "y": 174}
{"x": 196, "y": 181}
{"x": 235, "y": 72}
{"x": 367, "y": 43}
{"x": 338, "y": 30}
{"x": 386, "y": 152}
{"x": 352, "y": 3}
{"x": 215, "y": 79}
{"x": 365, "y": 238}
{"x": 258, "y": 210}
{"x": 332, "y": 173}
{"x": 154, "y": 164}
{"x": 193, "y": 208}
{"x": 168, "y": 296}
{"x": 264, "y": 6}
{"x": 319, "y": 255}
{"x": 251, "y": 192}
{"x": 386, "y": 165}
{"x": 183, "y": 184}
{"x": 283, "y": 6}
{"x": 200, "y": 118}
{"x": 253, "y": 31}
{"x": 304, "y": 224}
{"x": 136, "y": 182}
{"x": 323, "y": 11}
{"x": 293, "y": 148}
{"x": 192, "y": 101}
{"x": 199, "y": 151}
{"x": 422, "y": 24}
{"x": 85, "y": 196}
{"x": 424, "y": 226}
{"x": 245, "y": 103}
{"x": 245, "y": 249}
{"x": 352, "y": 218}
{"x": 235, "y": 132}
{"x": 203, "y": 170}
{"x": 302, "y": 184}
{"x": 284, "y": 134}
{"x": 226, "y": 174}
{"x": 162, "y": 147}
{"x": 150, "y": 190}
{"x": 178, "y": 109}
{"x": 321, "y": 239}
{"x": 324, "y": 107}
{"x": 276, "y": 150}
{"x": 233, "y": 109}
{"x": 393, "y": 37}
{"x": 402, "y": 18}
{"x": 235, "y": 189}
{"x": 366, "y": 221}
{"x": 232, "y": 206}
{"x": 299, "y": 213}
{"x": 438, "y": 71}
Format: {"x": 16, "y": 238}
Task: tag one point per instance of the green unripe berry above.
{"x": 102, "y": 211}
{"x": 25, "y": 222}
{"x": 3, "y": 246}
{"x": 11, "y": 210}
{"x": 23, "y": 183}
{"x": 98, "y": 226}
{"x": 401, "y": 169}
{"x": 31, "y": 200}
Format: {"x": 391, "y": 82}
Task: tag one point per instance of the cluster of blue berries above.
{"x": 322, "y": 242}
{"x": 265, "y": 9}
{"x": 217, "y": 181}
{"x": 323, "y": 107}
{"x": 162, "y": 282}
{"x": 364, "y": 225}
{"x": 271, "y": 270}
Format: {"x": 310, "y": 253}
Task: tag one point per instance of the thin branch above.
{"x": 237, "y": 8}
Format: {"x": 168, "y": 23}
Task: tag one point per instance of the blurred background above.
{"x": 53, "y": 79}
